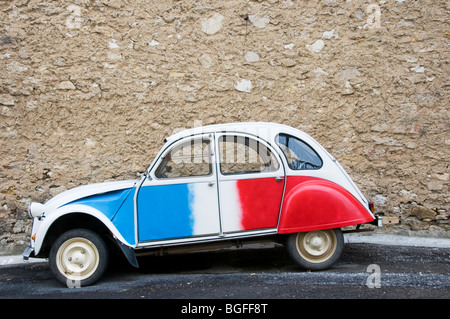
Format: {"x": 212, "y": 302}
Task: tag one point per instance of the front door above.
{"x": 180, "y": 199}
{"x": 251, "y": 183}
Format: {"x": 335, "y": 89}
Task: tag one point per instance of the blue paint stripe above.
{"x": 124, "y": 218}
{"x": 164, "y": 212}
{"x": 107, "y": 203}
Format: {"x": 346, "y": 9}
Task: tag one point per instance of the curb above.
{"x": 352, "y": 238}
{"x": 397, "y": 240}
{"x": 18, "y": 260}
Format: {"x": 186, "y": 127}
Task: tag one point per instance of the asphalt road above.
{"x": 364, "y": 271}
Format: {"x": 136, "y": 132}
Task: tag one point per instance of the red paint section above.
{"x": 313, "y": 203}
{"x": 260, "y": 202}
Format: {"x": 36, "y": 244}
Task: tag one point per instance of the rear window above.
{"x": 299, "y": 155}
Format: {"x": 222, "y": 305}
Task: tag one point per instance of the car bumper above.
{"x": 378, "y": 221}
{"x": 28, "y": 252}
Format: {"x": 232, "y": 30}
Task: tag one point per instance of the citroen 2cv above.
{"x": 211, "y": 185}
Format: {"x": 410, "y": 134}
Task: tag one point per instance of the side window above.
{"x": 299, "y": 155}
{"x": 192, "y": 158}
{"x": 240, "y": 155}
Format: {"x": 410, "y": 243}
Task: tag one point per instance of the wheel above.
{"x": 316, "y": 250}
{"x": 79, "y": 258}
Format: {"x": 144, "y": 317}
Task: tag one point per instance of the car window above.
{"x": 299, "y": 155}
{"x": 191, "y": 158}
{"x": 240, "y": 155}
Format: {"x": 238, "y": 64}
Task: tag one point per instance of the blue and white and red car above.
{"x": 209, "y": 186}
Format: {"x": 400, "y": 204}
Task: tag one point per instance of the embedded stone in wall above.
{"x": 66, "y": 85}
{"x": 330, "y": 35}
{"x": 114, "y": 56}
{"x": 213, "y": 24}
{"x": 386, "y": 141}
{"x": 418, "y": 69}
{"x": 90, "y": 143}
{"x": 289, "y": 46}
{"x": 379, "y": 199}
{"x": 348, "y": 89}
{"x": 113, "y": 44}
{"x": 244, "y": 86}
{"x": 31, "y": 105}
{"x": 16, "y": 67}
{"x": 176, "y": 75}
{"x": 259, "y": 22}
{"x": 350, "y": 73}
{"x": 435, "y": 186}
{"x": 319, "y": 72}
{"x": 6, "y": 99}
{"x": 316, "y": 47}
{"x": 288, "y": 62}
{"x": 206, "y": 61}
{"x": 251, "y": 56}
{"x": 423, "y": 213}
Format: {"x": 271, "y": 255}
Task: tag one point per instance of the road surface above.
{"x": 364, "y": 271}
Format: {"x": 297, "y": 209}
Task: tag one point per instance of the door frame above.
{"x": 280, "y": 172}
{"x": 150, "y": 180}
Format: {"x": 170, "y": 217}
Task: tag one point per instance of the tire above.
{"x": 79, "y": 258}
{"x": 316, "y": 250}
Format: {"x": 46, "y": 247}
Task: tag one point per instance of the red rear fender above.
{"x": 313, "y": 204}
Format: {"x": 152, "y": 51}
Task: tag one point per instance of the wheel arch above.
{"x": 72, "y": 221}
{"x": 71, "y": 217}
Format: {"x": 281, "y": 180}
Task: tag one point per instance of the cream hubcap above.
{"x": 316, "y": 246}
{"x": 77, "y": 258}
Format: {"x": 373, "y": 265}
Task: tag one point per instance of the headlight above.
{"x": 35, "y": 210}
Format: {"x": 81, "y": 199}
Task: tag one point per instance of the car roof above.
{"x": 264, "y": 130}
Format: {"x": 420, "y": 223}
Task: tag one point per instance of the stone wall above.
{"x": 89, "y": 89}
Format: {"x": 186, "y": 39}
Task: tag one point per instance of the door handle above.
{"x": 210, "y": 183}
{"x": 279, "y": 178}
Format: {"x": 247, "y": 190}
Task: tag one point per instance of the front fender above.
{"x": 41, "y": 227}
{"x": 320, "y": 204}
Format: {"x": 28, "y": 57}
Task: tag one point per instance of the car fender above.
{"x": 42, "y": 226}
{"x": 320, "y": 204}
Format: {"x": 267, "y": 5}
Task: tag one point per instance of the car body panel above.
{"x": 82, "y": 192}
{"x": 177, "y": 211}
{"x": 107, "y": 203}
{"x": 250, "y": 204}
{"x": 313, "y": 204}
{"x": 124, "y": 220}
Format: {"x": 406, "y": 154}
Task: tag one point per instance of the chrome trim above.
{"x": 27, "y": 252}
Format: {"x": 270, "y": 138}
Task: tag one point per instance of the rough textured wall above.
{"x": 89, "y": 89}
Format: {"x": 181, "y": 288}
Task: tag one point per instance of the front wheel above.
{"x": 79, "y": 257}
{"x": 316, "y": 250}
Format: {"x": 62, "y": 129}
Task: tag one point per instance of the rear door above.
{"x": 251, "y": 183}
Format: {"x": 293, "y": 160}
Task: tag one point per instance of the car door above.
{"x": 180, "y": 200}
{"x": 251, "y": 183}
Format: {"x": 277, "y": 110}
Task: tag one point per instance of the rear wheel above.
{"x": 316, "y": 250}
{"x": 79, "y": 258}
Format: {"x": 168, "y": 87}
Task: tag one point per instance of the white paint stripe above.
{"x": 204, "y": 209}
{"x": 230, "y": 206}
